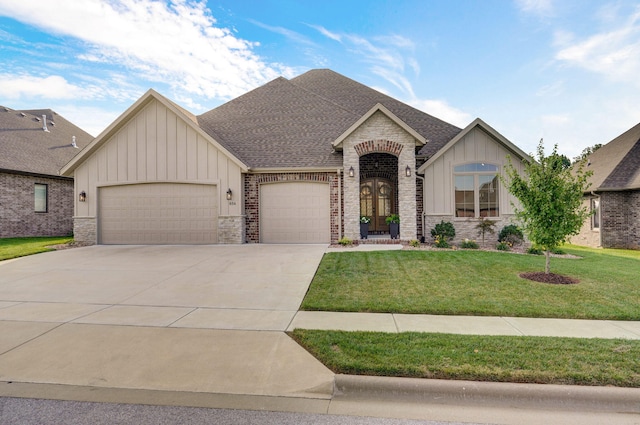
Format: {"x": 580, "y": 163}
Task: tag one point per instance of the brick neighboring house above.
{"x": 35, "y": 200}
{"x": 293, "y": 161}
{"x": 614, "y": 195}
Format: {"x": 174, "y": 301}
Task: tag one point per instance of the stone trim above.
{"x": 378, "y": 146}
{"x": 231, "y": 229}
{"x": 85, "y": 230}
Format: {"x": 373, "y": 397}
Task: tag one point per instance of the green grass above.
{"x": 567, "y": 361}
{"x": 19, "y": 247}
{"x": 478, "y": 283}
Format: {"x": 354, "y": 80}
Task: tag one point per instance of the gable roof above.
{"x": 293, "y": 123}
{"x": 150, "y": 95}
{"x": 380, "y": 108}
{"x": 487, "y": 129}
{"x": 616, "y": 165}
{"x": 26, "y": 148}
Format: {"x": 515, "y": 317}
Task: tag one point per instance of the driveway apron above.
{"x": 171, "y": 318}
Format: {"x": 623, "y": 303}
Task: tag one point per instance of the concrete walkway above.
{"x": 204, "y": 326}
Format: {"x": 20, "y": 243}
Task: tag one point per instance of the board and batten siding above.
{"x": 156, "y": 145}
{"x": 476, "y": 146}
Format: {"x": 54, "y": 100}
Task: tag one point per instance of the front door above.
{"x": 376, "y": 202}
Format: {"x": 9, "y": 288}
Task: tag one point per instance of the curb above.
{"x": 495, "y": 394}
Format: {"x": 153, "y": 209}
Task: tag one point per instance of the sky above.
{"x": 564, "y": 71}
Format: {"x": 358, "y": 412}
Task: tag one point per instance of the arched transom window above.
{"x": 476, "y": 190}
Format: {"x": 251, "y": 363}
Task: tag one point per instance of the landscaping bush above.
{"x": 511, "y": 235}
{"x": 534, "y": 250}
{"x": 345, "y": 241}
{"x": 442, "y": 233}
{"x": 414, "y": 243}
{"x": 503, "y": 246}
{"x": 469, "y": 244}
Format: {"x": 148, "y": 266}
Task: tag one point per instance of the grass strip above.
{"x": 19, "y": 247}
{"x": 480, "y": 283}
{"x": 542, "y": 360}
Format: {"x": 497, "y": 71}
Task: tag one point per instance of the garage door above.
{"x": 158, "y": 213}
{"x": 294, "y": 212}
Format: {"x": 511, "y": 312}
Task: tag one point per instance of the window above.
{"x": 595, "y": 209}
{"x": 476, "y": 190}
{"x": 40, "y": 197}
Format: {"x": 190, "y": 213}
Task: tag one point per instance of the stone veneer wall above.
{"x": 252, "y": 184}
{"x": 466, "y": 228}
{"x": 85, "y": 230}
{"x": 588, "y": 236}
{"x": 620, "y": 219}
{"x": 17, "y": 215}
{"x": 231, "y": 229}
{"x": 379, "y": 134}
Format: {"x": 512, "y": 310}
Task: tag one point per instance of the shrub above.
{"x": 345, "y": 241}
{"x": 441, "y": 242}
{"x": 511, "y": 235}
{"x": 469, "y": 244}
{"x": 393, "y": 218}
{"x": 503, "y": 246}
{"x": 414, "y": 243}
{"x": 444, "y": 230}
{"x": 485, "y": 226}
{"x": 534, "y": 250}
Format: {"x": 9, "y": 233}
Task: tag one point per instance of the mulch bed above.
{"x": 551, "y": 278}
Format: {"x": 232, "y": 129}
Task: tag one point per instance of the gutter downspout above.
{"x": 339, "y": 203}
{"x": 423, "y": 206}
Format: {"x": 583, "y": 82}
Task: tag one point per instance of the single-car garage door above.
{"x": 158, "y": 213}
{"x": 295, "y": 212}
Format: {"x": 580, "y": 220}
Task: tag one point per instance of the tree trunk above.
{"x": 547, "y": 266}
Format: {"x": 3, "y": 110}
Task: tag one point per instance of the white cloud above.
{"x": 52, "y": 87}
{"x": 441, "y": 109}
{"x": 536, "y": 7}
{"x": 614, "y": 53}
{"x": 173, "y": 42}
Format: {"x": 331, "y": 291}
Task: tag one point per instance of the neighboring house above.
{"x": 34, "y": 199}
{"x": 293, "y": 161}
{"x": 614, "y": 195}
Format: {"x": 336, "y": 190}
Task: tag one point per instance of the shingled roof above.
{"x": 26, "y": 148}
{"x": 616, "y": 165}
{"x": 292, "y": 123}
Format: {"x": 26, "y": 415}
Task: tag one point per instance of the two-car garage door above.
{"x": 158, "y": 213}
{"x": 295, "y": 212}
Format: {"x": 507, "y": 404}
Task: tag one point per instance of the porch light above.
{"x": 82, "y": 197}
{"x": 407, "y": 171}
{"x": 229, "y": 194}
{"x": 352, "y": 172}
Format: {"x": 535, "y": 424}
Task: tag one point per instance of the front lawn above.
{"x": 19, "y": 247}
{"x": 567, "y": 361}
{"x": 477, "y": 283}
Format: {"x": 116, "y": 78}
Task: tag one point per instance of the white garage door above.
{"x": 295, "y": 212}
{"x": 158, "y": 213}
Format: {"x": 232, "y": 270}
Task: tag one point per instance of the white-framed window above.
{"x": 476, "y": 192}
{"x": 40, "y": 192}
{"x": 595, "y": 213}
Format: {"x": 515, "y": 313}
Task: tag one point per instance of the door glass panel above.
{"x": 366, "y": 199}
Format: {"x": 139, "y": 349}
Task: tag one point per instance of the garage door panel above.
{"x": 295, "y": 212}
{"x": 158, "y": 213}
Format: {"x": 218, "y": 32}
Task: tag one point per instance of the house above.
{"x": 614, "y": 194}
{"x": 34, "y": 199}
{"x": 294, "y": 161}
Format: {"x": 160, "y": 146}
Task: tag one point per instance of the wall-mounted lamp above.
{"x": 407, "y": 171}
{"x": 229, "y": 194}
{"x": 352, "y": 172}
{"x": 82, "y": 197}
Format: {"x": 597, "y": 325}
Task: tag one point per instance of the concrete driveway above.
{"x": 170, "y": 318}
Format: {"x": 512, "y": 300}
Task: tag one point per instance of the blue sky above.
{"x": 567, "y": 71}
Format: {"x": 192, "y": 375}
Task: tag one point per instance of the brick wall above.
{"x": 17, "y": 215}
{"x": 620, "y": 219}
{"x": 252, "y": 184}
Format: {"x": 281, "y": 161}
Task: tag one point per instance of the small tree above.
{"x": 485, "y": 226}
{"x": 550, "y": 195}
